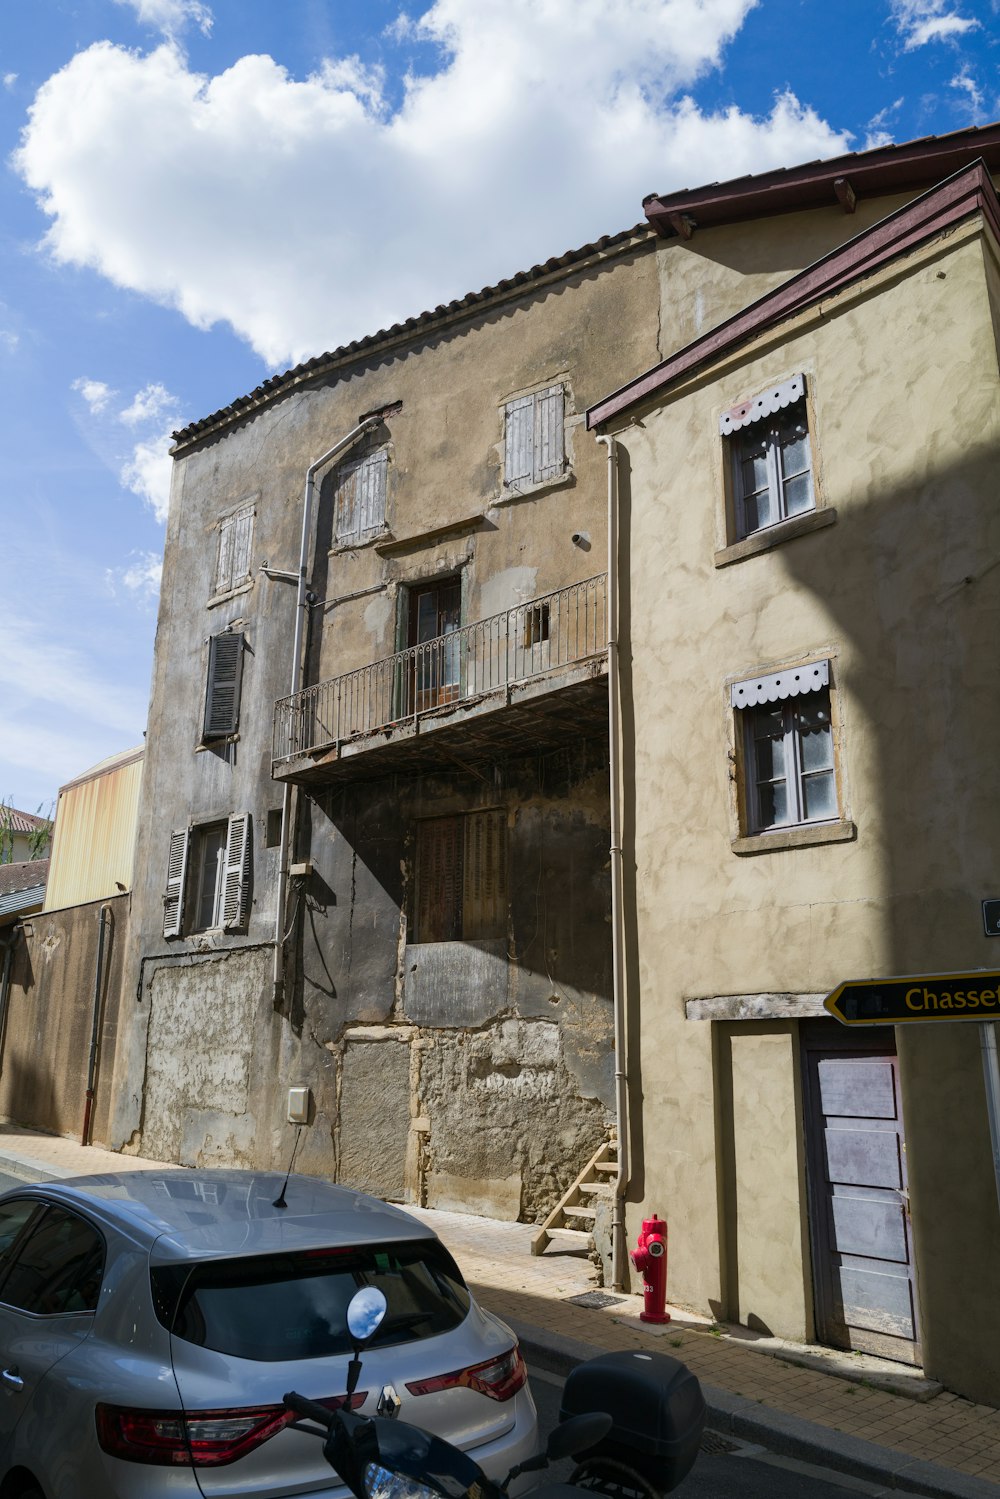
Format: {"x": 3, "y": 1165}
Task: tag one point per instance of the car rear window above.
{"x": 294, "y": 1306}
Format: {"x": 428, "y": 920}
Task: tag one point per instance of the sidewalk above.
{"x": 932, "y": 1443}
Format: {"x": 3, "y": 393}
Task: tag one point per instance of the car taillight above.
{"x": 208, "y": 1439}
{"x": 499, "y": 1378}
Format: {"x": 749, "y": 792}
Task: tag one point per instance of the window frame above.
{"x": 796, "y": 773}
{"x": 185, "y": 876}
{"x": 743, "y": 423}
{"x": 347, "y": 474}
{"x": 533, "y": 436}
{"x": 227, "y": 580}
{"x": 766, "y": 690}
{"x": 474, "y": 912}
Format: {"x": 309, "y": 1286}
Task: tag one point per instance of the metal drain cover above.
{"x": 595, "y": 1299}
{"x": 714, "y": 1444}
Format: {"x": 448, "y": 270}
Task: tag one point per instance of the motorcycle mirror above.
{"x": 365, "y": 1312}
{"x": 577, "y": 1435}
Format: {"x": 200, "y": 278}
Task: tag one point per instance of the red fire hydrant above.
{"x": 650, "y": 1258}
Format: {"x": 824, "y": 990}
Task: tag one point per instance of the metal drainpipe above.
{"x": 95, "y": 1027}
{"x": 297, "y": 665}
{"x": 618, "y": 1247}
{"x": 8, "y": 958}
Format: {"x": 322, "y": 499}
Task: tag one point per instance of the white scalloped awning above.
{"x": 774, "y": 398}
{"x": 778, "y": 685}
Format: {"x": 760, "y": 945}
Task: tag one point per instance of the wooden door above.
{"x": 435, "y": 617}
{"x": 859, "y": 1206}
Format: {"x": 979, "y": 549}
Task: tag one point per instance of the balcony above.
{"x": 529, "y": 680}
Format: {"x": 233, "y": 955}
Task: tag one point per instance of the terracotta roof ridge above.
{"x": 274, "y": 384}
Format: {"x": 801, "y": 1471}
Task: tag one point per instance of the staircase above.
{"x": 575, "y": 1209}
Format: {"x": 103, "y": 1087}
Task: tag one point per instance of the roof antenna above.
{"x": 279, "y": 1201}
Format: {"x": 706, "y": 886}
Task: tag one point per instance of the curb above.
{"x": 28, "y": 1169}
{"x": 781, "y": 1433}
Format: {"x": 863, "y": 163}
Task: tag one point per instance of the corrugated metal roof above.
{"x": 103, "y": 767}
{"x": 323, "y": 363}
{"x": 20, "y": 902}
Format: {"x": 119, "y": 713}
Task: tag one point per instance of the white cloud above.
{"x": 9, "y": 80}
{"x": 9, "y": 340}
{"x": 877, "y": 131}
{"x": 974, "y": 97}
{"x": 923, "y": 21}
{"x": 142, "y": 576}
{"x": 171, "y": 16}
{"x": 308, "y": 212}
{"x": 147, "y": 473}
{"x": 149, "y": 404}
{"x": 94, "y": 392}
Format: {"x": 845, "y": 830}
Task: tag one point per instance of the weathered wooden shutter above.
{"x": 225, "y": 675}
{"x": 518, "y": 459}
{"x": 549, "y": 442}
{"x": 173, "y": 896}
{"x": 484, "y": 893}
{"x": 242, "y": 523}
{"x": 224, "y": 571}
{"x": 235, "y": 544}
{"x": 236, "y": 887}
{"x": 439, "y": 880}
{"x": 361, "y": 497}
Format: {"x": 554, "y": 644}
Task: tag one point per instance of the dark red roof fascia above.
{"x": 960, "y": 197}
{"x": 887, "y": 169}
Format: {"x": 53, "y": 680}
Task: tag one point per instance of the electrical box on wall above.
{"x": 299, "y": 1105}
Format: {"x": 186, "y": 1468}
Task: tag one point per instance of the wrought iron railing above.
{"x": 536, "y": 637}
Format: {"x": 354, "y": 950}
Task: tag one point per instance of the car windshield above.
{"x": 294, "y": 1306}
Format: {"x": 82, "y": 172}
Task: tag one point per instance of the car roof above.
{"x": 196, "y": 1215}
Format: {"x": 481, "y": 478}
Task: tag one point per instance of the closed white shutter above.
{"x": 550, "y": 454}
{"x": 361, "y": 497}
{"x": 173, "y": 896}
{"x": 236, "y": 889}
{"x": 518, "y": 458}
{"x": 235, "y": 546}
{"x": 222, "y": 694}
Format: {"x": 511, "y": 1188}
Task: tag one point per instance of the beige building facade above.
{"x": 810, "y": 523}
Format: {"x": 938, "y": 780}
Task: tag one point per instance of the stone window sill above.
{"x": 804, "y": 836}
{"x": 772, "y": 536}
{"x": 510, "y": 496}
{"x": 230, "y": 593}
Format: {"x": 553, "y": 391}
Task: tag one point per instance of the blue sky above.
{"x": 194, "y": 195}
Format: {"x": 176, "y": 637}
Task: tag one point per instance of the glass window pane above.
{"x": 816, "y": 746}
{"x": 798, "y": 494}
{"x": 819, "y": 796}
{"x": 13, "y": 1217}
{"x": 772, "y": 803}
{"x": 59, "y": 1267}
{"x": 794, "y": 441}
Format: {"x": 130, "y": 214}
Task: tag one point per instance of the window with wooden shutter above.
{"x": 173, "y": 896}
{"x": 235, "y": 546}
{"x": 236, "y": 878}
{"x": 461, "y": 880}
{"x": 534, "y": 438}
{"x": 361, "y": 497}
{"x": 222, "y": 694}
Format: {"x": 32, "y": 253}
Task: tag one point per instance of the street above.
{"x": 726, "y": 1465}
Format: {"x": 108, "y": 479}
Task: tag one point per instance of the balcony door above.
{"x": 436, "y": 669}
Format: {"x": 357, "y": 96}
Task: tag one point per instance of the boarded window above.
{"x": 360, "y": 501}
{"x": 235, "y": 543}
{"x": 222, "y": 693}
{"x": 461, "y": 883}
{"x": 534, "y": 439}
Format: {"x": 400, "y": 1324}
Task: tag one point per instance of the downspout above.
{"x": 618, "y": 1245}
{"x": 8, "y": 957}
{"x": 95, "y": 1026}
{"x": 297, "y": 667}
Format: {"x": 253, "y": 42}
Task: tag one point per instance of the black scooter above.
{"x": 633, "y": 1419}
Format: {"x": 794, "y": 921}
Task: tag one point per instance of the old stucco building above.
{"x": 374, "y": 840}
{"x": 443, "y": 982}
{"x": 814, "y": 706}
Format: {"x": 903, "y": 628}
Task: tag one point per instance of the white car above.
{"x": 150, "y": 1323}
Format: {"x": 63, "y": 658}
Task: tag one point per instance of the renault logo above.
{"x": 388, "y": 1403}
